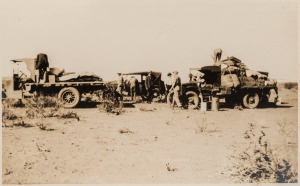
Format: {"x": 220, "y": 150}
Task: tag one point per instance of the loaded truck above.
{"x": 231, "y": 81}
{"x": 69, "y": 87}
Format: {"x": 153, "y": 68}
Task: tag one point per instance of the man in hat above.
{"x": 176, "y": 88}
{"x": 41, "y": 66}
{"x": 149, "y": 87}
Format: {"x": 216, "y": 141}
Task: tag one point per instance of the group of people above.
{"x": 134, "y": 87}
{"x": 173, "y": 83}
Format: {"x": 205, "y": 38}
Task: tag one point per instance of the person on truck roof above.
{"x": 41, "y": 66}
{"x": 217, "y": 56}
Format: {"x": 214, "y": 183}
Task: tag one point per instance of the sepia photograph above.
{"x": 149, "y": 91}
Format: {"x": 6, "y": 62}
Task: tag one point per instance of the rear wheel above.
{"x": 192, "y": 99}
{"x": 70, "y": 96}
{"x": 251, "y": 100}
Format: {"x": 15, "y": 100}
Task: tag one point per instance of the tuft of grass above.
{"x": 204, "y": 127}
{"x": 69, "y": 114}
{"x": 44, "y": 126}
{"x": 125, "y": 131}
{"x": 171, "y": 168}
{"x": 291, "y": 85}
{"x": 146, "y": 109}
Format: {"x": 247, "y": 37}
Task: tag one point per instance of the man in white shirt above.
{"x": 120, "y": 87}
{"x": 176, "y": 87}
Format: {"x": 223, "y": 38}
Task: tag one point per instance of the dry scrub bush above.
{"x": 259, "y": 162}
{"x": 125, "y": 131}
{"x": 41, "y": 107}
{"x": 47, "y": 106}
{"x": 36, "y": 106}
{"x": 9, "y": 109}
{"x": 10, "y": 117}
{"x": 110, "y": 103}
{"x": 291, "y": 85}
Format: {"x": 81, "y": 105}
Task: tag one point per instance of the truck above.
{"x": 69, "y": 87}
{"x": 252, "y": 90}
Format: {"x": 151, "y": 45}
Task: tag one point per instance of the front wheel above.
{"x": 192, "y": 99}
{"x": 70, "y": 96}
{"x": 251, "y": 100}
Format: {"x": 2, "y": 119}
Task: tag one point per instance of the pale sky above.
{"x": 110, "y": 36}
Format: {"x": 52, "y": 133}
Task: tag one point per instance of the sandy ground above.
{"x": 93, "y": 150}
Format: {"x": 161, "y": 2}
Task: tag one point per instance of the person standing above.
{"x": 41, "y": 66}
{"x": 217, "y": 56}
{"x": 176, "y": 88}
{"x": 168, "y": 83}
{"x": 120, "y": 87}
{"x": 149, "y": 87}
{"x": 133, "y": 83}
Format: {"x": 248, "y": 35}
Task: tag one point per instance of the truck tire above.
{"x": 251, "y": 100}
{"x": 192, "y": 99}
{"x": 70, "y": 96}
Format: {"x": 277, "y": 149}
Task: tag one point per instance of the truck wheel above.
{"x": 70, "y": 96}
{"x": 193, "y": 99}
{"x": 251, "y": 100}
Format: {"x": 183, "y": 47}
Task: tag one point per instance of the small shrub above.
{"x": 291, "y": 85}
{"x": 170, "y": 168}
{"x": 259, "y": 162}
{"x": 44, "y": 126}
{"x": 43, "y": 106}
{"x": 124, "y": 130}
{"x": 110, "y": 102}
{"x": 12, "y": 103}
{"x": 69, "y": 115}
{"x": 9, "y": 112}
